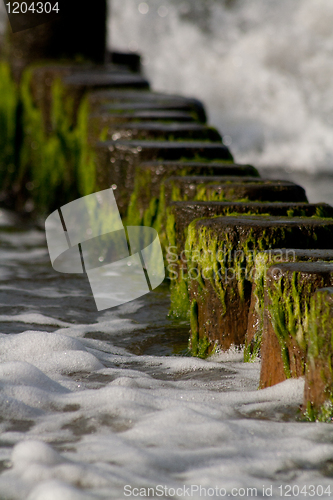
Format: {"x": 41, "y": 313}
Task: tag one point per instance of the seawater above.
{"x": 93, "y": 405}
{"x": 262, "y": 67}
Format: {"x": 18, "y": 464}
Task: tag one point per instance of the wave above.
{"x": 263, "y": 68}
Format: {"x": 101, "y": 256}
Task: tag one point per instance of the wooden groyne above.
{"x": 249, "y": 260}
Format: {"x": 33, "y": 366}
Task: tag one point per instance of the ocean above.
{"x": 263, "y": 68}
{"x": 108, "y": 405}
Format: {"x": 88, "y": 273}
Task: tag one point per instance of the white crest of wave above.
{"x": 263, "y": 68}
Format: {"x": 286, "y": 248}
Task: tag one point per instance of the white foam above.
{"x": 81, "y": 417}
{"x": 48, "y": 351}
{"x": 55, "y": 490}
{"x": 263, "y": 68}
{"x": 33, "y": 318}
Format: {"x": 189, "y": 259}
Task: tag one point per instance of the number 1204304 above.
{"x": 33, "y": 7}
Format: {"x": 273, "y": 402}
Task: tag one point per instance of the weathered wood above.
{"x": 185, "y": 212}
{"x": 318, "y": 390}
{"x": 164, "y": 168}
{"x": 149, "y": 178}
{"x": 288, "y": 291}
{"x": 155, "y": 130}
{"x": 210, "y": 189}
{"x": 77, "y": 80}
{"x": 134, "y": 106}
{"x": 100, "y": 98}
{"x": 204, "y": 188}
{"x": 220, "y": 259}
{"x": 262, "y": 263}
{"x": 125, "y": 156}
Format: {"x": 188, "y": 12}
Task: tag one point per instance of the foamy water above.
{"x": 95, "y": 404}
{"x": 263, "y": 68}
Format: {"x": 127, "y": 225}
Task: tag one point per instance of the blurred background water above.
{"x": 263, "y": 68}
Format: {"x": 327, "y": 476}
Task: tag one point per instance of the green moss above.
{"x": 205, "y": 256}
{"x": 324, "y": 414}
{"x": 83, "y": 154}
{"x": 159, "y": 221}
{"x": 178, "y": 296}
{"x": 197, "y": 158}
{"x": 199, "y": 347}
{"x": 9, "y": 99}
{"x": 319, "y": 352}
{"x": 208, "y": 257}
{"x": 263, "y": 260}
{"x": 156, "y": 213}
{"x": 320, "y": 340}
{"x": 42, "y": 160}
{"x": 53, "y": 166}
{"x": 146, "y": 209}
{"x": 321, "y": 212}
{"x": 178, "y": 284}
{"x": 135, "y": 211}
{"x": 278, "y": 317}
{"x": 261, "y": 263}
{"x": 290, "y": 314}
{"x": 171, "y": 228}
{"x": 58, "y": 164}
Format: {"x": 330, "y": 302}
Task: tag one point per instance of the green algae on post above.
{"x": 9, "y": 100}
{"x": 57, "y": 164}
{"x": 220, "y": 261}
{"x": 318, "y": 394}
{"x": 288, "y": 290}
{"x": 262, "y": 262}
{"x": 199, "y": 347}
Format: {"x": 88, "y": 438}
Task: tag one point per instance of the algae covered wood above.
{"x": 100, "y": 124}
{"x": 116, "y": 161}
{"x": 103, "y": 97}
{"x": 180, "y": 214}
{"x": 148, "y": 204}
{"x": 201, "y": 188}
{"x": 57, "y": 161}
{"x": 149, "y": 179}
{"x": 137, "y": 115}
{"x": 77, "y": 80}
{"x": 184, "y": 212}
{"x": 165, "y": 168}
{"x": 134, "y": 106}
{"x": 262, "y": 263}
{"x": 318, "y": 390}
{"x": 220, "y": 260}
{"x": 288, "y": 290}
{"x": 210, "y": 189}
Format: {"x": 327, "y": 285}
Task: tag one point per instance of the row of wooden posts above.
{"x": 249, "y": 260}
